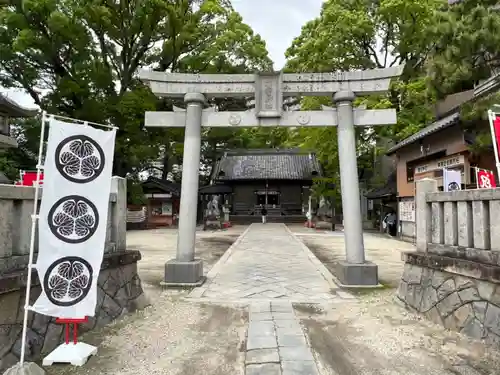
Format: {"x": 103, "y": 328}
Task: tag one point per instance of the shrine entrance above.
{"x": 269, "y": 90}
{"x": 268, "y": 198}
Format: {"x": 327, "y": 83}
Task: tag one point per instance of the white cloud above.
{"x": 277, "y": 21}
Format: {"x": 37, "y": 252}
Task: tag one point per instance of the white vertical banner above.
{"x": 452, "y": 180}
{"x": 73, "y": 218}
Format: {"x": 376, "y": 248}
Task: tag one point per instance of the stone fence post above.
{"x": 119, "y": 213}
{"x": 423, "y": 212}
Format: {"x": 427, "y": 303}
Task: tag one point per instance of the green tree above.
{"x": 87, "y": 53}
{"x": 467, "y": 45}
{"x": 466, "y": 51}
{"x": 366, "y": 34}
{"x": 213, "y": 40}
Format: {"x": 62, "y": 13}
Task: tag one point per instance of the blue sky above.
{"x": 277, "y": 21}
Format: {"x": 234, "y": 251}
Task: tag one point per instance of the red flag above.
{"x": 29, "y": 178}
{"x": 485, "y": 179}
{"x": 496, "y": 128}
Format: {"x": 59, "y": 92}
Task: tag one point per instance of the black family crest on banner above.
{"x": 79, "y": 159}
{"x": 68, "y": 281}
{"x": 72, "y": 218}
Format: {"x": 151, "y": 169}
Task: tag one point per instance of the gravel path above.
{"x": 376, "y": 336}
{"x": 370, "y": 336}
{"x": 171, "y": 337}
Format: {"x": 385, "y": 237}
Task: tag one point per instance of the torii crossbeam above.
{"x": 326, "y": 117}
{"x": 269, "y": 90}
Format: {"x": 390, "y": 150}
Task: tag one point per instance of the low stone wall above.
{"x": 454, "y": 276}
{"x": 119, "y": 292}
{"x": 443, "y": 290}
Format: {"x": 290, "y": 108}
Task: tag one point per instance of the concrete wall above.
{"x": 454, "y": 276}
{"x": 407, "y": 230}
{"x": 119, "y": 285}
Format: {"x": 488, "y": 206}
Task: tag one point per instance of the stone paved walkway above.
{"x": 266, "y": 263}
{"x": 276, "y": 344}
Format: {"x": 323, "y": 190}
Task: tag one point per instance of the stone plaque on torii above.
{"x": 269, "y": 90}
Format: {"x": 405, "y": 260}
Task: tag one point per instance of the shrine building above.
{"x": 278, "y": 179}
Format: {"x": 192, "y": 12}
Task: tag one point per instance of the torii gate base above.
{"x": 269, "y": 89}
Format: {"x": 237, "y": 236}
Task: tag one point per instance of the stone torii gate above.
{"x": 269, "y": 90}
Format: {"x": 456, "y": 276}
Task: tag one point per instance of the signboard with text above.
{"x": 407, "y": 211}
{"x": 449, "y": 162}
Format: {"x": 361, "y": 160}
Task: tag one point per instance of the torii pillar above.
{"x": 269, "y": 90}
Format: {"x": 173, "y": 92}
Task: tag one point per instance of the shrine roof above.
{"x": 215, "y": 189}
{"x": 13, "y": 109}
{"x": 435, "y": 127}
{"x": 389, "y": 189}
{"x": 267, "y": 164}
{"x": 153, "y": 183}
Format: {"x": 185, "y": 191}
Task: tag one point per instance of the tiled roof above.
{"x": 13, "y": 109}
{"x": 389, "y": 189}
{"x": 215, "y": 189}
{"x": 164, "y": 185}
{"x": 270, "y": 164}
{"x": 436, "y": 126}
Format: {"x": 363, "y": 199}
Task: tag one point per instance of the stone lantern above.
{"x": 9, "y": 109}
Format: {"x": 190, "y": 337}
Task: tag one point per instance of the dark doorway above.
{"x": 261, "y": 199}
{"x": 273, "y": 199}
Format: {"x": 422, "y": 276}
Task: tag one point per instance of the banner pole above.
{"x": 34, "y": 220}
{"x": 476, "y": 171}
{"x": 445, "y": 183}
{"x": 83, "y": 122}
{"x": 492, "y": 117}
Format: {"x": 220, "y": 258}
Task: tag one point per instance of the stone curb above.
{"x": 327, "y": 275}
{"x": 214, "y": 271}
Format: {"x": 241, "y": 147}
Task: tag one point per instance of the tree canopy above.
{"x": 364, "y": 34}
{"x": 467, "y": 51}
{"x": 466, "y": 45}
{"x": 86, "y": 54}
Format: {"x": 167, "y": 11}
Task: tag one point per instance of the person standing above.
{"x": 263, "y": 212}
{"x": 391, "y": 222}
